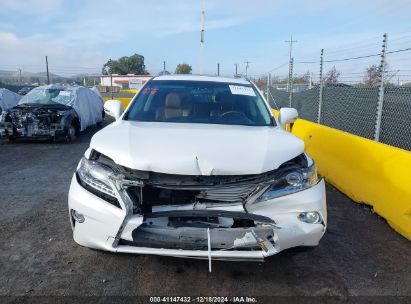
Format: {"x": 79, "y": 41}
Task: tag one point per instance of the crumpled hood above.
{"x": 196, "y": 149}
{"x": 36, "y": 106}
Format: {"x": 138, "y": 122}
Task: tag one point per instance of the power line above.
{"x": 276, "y": 68}
{"x": 343, "y": 59}
{"x": 398, "y": 51}
{"x": 358, "y": 57}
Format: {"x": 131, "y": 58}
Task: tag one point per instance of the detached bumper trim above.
{"x": 256, "y": 255}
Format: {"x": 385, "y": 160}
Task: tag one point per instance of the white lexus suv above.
{"x": 197, "y": 167}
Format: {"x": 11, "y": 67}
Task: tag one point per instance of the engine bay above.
{"x": 32, "y": 121}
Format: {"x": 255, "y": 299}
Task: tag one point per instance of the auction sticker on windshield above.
{"x": 241, "y": 90}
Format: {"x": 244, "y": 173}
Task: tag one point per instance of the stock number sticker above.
{"x": 241, "y": 90}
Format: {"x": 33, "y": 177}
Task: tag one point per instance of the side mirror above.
{"x": 113, "y": 108}
{"x": 287, "y": 116}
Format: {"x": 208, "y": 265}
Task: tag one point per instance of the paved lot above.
{"x": 359, "y": 255}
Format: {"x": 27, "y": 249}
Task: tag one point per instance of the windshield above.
{"x": 46, "y": 96}
{"x": 199, "y": 102}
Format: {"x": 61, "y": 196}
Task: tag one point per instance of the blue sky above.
{"x": 79, "y": 36}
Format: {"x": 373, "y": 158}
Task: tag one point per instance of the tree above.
{"x": 332, "y": 76}
{"x": 305, "y": 78}
{"x": 372, "y": 75}
{"x": 126, "y": 65}
{"x": 183, "y": 68}
{"x": 261, "y": 82}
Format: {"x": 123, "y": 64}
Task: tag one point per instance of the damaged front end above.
{"x": 35, "y": 122}
{"x": 211, "y": 217}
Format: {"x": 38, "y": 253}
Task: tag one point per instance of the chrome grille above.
{"x": 227, "y": 193}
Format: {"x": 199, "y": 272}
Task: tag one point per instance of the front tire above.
{"x": 73, "y": 131}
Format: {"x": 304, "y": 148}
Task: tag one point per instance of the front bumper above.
{"x": 8, "y": 130}
{"x": 103, "y": 221}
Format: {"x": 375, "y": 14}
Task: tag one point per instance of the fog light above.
{"x": 310, "y": 217}
{"x": 78, "y": 217}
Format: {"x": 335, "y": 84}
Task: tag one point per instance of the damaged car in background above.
{"x": 52, "y": 112}
{"x": 197, "y": 167}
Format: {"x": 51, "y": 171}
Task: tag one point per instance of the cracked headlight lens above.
{"x": 291, "y": 182}
{"x": 96, "y": 176}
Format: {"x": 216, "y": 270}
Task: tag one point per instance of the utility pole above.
{"x": 381, "y": 90}
{"x": 290, "y": 81}
{"x": 202, "y": 37}
{"x": 47, "y": 70}
{"x": 268, "y": 86}
{"x": 111, "y": 78}
{"x": 20, "y": 76}
{"x": 310, "y": 85}
{"x": 164, "y": 65}
{"x": 290, "y": 52}
{"x": 236, "y": 68}
{"x": 218, "y": 69}
{"x": 320, "y": 98}
{"x": 246, "y": 67}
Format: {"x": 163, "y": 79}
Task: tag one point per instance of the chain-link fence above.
{"x": 358, "y": 95}
{"x": 396, "y": 117}
{"x": 354, "y": 110}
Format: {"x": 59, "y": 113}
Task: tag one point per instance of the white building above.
{"x": 125, "y": 82}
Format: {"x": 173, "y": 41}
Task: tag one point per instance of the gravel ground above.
{"x": 359, "y": 255}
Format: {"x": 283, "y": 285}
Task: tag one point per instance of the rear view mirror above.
{"x": 287, "y": 116}
{"x": 113, "y": 108}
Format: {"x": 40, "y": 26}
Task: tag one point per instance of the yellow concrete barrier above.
{"x": 367, "y": 171}
{"x": 124, "y": 100}
{"x": 132, "y": 91}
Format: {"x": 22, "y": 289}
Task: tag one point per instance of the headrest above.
{"x": 173, "y": 100}
{"x": 225, "y": 99}
{"x": 222, "y": 96}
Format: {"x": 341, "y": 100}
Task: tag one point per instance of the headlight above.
{"x": 291, "y": 182}
{"x": 96, "y": 176}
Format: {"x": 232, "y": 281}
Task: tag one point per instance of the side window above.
{"x": 253, "y": 110}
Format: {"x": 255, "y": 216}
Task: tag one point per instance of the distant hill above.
{"x": 16, "y": 74}
{"x": 24, "y": 74}
{"x": 37, "y": 78}
{"x": 44, "y": 75}
{"x": 13, "y": 77}
{"x": 4, "y": 74}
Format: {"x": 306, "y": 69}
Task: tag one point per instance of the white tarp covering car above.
{"x": 8, "y": 99}
{"x": 95, "y": 90}
{"x": 197, "y": 167}
{"x": 87, "y": 104}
